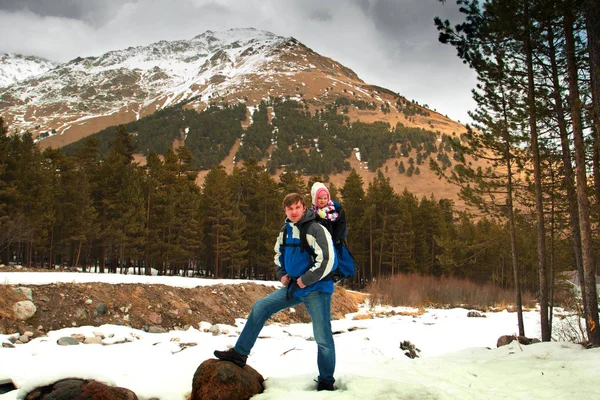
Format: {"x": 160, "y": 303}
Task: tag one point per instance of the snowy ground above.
{"x": 459, "y": 358}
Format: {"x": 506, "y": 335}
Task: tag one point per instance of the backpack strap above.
{"x": 303, "y": 242}
{"x": 303, "y": 245}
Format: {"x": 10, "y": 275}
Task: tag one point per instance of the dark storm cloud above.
{"x": 408, "y": 25}
{"x": 93, "y": 12}
{"x": 394, "y": 17}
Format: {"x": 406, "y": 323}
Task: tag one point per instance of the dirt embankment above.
{"x": 141, "y": 306}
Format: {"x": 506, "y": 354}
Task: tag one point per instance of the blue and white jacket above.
{"x": 291, "y": 259}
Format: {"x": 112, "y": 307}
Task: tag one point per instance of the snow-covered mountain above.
{"x": 16, "y": 67}
{"x": 85, "y": 95}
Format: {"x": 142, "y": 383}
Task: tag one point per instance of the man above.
{"x": 303, "y": 269}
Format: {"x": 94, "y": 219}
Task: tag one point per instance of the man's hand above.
{"x": 285, "y": 280}
{"x": 300, "y": 284}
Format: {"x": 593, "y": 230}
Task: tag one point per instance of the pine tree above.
{"x": 74, "y": 211}
{"x": 581, "y": 184}
{"x": 23, "y": 185}
{"x": 592, "y": 23}
{"x": 480, "y": 42}
{"x": 238, "y": 249}
{"x": 258, "y": 197}
{"x": 121, "y": 210}
{"x": 186, "y": 230}
{"x": 218, "y": 214}
{"x": 382, "y": 222}
{"x": 353, "y": 202}
{"x": 556, "y": 62}
{"x": 429, "y": 225}
{"x": 291, "y": 181}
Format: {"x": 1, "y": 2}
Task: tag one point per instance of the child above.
{"x": 330, "y": 212}
{"x": 322, "y": 203}
{"x": 331, "y": 215}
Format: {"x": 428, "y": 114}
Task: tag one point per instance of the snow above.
{"x": 458, "y": 355}
{"x": 15, "y": 68}
{"x": 188, "y": 66}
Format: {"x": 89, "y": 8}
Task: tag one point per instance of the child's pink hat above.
{"x": 317, "y": 189}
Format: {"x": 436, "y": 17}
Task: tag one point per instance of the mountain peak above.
{"x": 17, "y": 67}
{"x": 85, "y": 95}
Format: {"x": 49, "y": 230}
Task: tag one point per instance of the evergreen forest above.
{"x": 315, "y": 144}
{"x": 101, "y": 211}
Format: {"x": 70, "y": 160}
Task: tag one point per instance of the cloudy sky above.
{"x": 390, "y": 43}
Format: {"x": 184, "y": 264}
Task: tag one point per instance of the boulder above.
{"x": 475, "y": 314}
{"x": 223, "y": 380}
{"x": 154, "y": 318}
{"x": 410, "y": 350}
{"x": 80, "y": 389}
{"x": 25, "y": 291}
{"x": 506, "y": 339}
{"x": 24, "y": 309}
{"x": 67, "y": 341}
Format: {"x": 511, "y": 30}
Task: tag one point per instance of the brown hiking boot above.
{"x": 231, "y": 355}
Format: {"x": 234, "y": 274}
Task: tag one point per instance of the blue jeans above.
{"x": 318, "y": 305}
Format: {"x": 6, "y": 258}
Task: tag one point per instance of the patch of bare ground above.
{"x": 63, "y": 305}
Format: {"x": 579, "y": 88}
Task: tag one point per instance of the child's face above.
{"x": 295, "y": 212}
{"x": 322, "y": 200}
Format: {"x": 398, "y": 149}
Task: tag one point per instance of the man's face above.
{"x": 295, "y": 211}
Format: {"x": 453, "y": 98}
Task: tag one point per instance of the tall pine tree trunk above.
{"x": 513, "y": 241}
{"x": 511, "y": 215}
{"x": 591, "y": 299}
{"x": 51, "y": 252}
{"x": 592, "y": 18}
{"x": 515, "y": 263}
{"x": 78, "y": 253}
{"x": 102, "y": 259}
{"x": 217, "y": 254}
{"x": 371, "y": 247}
{"x": 567, "y": 165}
{"x": 147, "y": 269}
{"x": 30, "y": 253}
{"x": 382, "y": 243}
{"x": 537, "y": 173}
